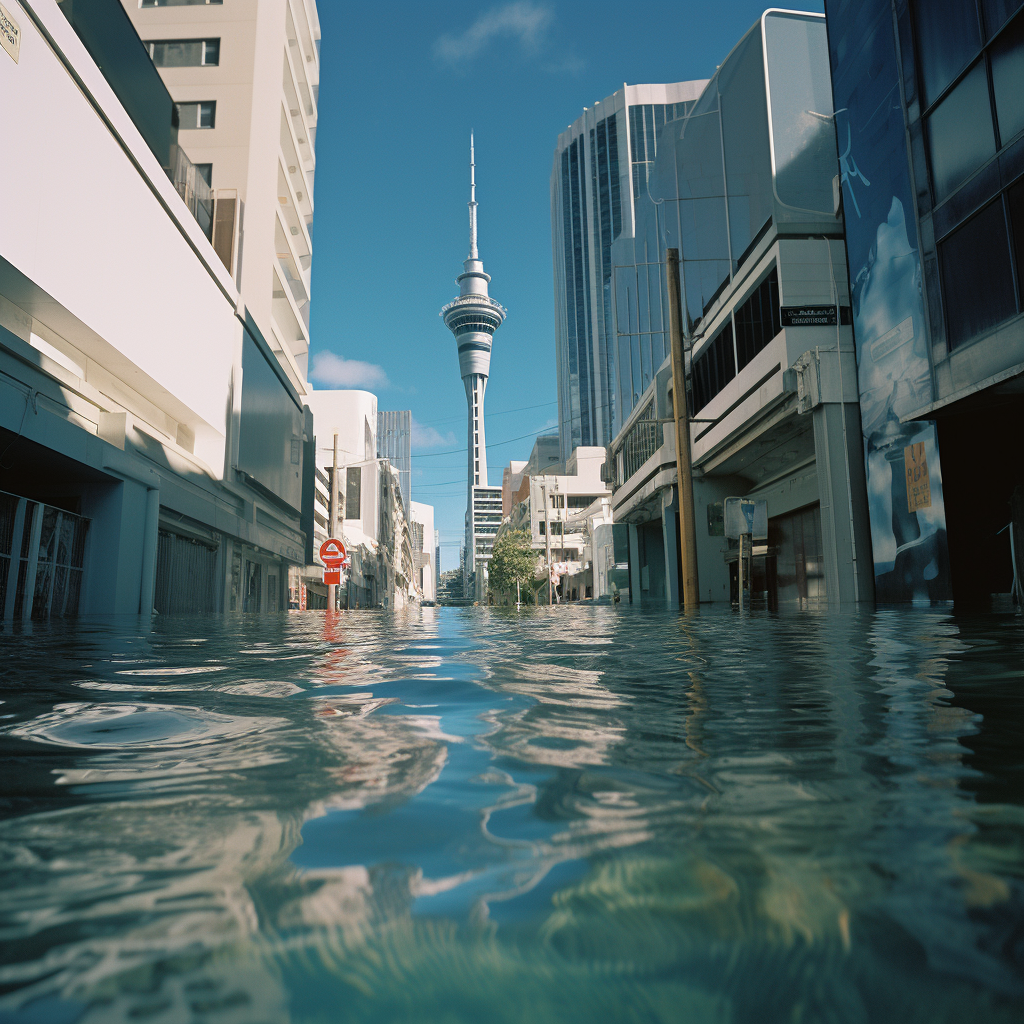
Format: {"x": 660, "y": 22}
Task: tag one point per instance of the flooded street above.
{"x": 568, "y": 814}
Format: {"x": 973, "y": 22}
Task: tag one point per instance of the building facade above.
{"x": 598, "y": 178}
{"x": 423, "y": 550}
{"x": 394, "y": 443}
{"x": 745, "y": 180}
{"x": 473, "y": 317}
{"x": 153, "y": 444}
{"x": 930, "y": 126}
{"x": 244, "y": 76}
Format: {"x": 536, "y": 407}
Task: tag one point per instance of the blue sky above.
{"x": 402, "y": 85}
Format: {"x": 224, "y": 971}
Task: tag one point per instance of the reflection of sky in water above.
{"x": 589, "y": 813}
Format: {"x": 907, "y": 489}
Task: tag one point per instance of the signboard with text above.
{"x": 10, "y": 33}
{"x": 808, "y": 316}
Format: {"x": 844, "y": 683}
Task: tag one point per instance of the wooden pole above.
{"x": 687, "y": 517}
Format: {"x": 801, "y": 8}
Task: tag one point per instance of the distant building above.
{"x": 423, "y": 557}
{"x": 394, "y": 443}
{"x": 245, "y": 77}
{"x": 599, "y": 175}
{"x": 511, "y": 478}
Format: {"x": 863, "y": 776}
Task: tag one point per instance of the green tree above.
{"x": 512, "y": 561}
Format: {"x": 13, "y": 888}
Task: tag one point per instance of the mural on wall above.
{"x": 904, "y": 478}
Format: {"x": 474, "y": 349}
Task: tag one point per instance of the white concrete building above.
{"x": 152, "y": 445}
{"x": 245, "y": 77}
{"x": 423, "y": 552}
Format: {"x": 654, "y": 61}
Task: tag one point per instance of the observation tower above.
{"x": 473, "y": 318}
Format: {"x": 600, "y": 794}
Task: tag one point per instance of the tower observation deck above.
{"x": 473, "y": 317}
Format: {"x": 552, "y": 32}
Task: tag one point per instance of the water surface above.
{"x": 462, "y": 815}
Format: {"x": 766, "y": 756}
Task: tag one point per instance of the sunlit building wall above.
{"x": 600, "y": 171}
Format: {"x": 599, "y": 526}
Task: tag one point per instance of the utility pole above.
{"x": 332, "y": 589}
{"x": 684, "y": 471}
{"x": 547, "y": 533}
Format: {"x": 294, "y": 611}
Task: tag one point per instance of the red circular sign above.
{"x": 332, "y": 552}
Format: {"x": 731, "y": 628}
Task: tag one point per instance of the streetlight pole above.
{"x": 547, "y": 533}
{"x": 332, "y": 589}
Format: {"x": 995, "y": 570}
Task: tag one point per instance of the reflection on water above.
{"x": 463, "y": 815}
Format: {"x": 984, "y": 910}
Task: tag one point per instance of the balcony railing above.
{"x": 645, "y": 437}
{"x": 192, "y": 187}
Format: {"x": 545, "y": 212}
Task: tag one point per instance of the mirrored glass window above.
{"x": 197, "y": 115}
{"x": 977, "y": 280}
{"x": 1015, "y": 199}
{"x": 748, "y": 166}
{"x": 800, "y": 107}
{"x": 1007, "y": 56}
{"x": 948, "y": 38}
{"x": 184, "y": 53}
{"x": 713, "y": 368}
{"x": 757, "y": 320}
{"x": 960, "y": 133}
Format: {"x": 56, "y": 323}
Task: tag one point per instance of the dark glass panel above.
{"x": 713, "y": 368}
{"x": 977, "y": 280}
{"x": 1007, "y": 57}
{"x": 996, "y": 12}
{"x": 960, "y": 133}
{"x": 947, "y": 39}
{"x": 757, "y": 320}
{"x": 1016, "y": 200}
{"x": 211, "y": 51}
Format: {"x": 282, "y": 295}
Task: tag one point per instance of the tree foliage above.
{"x": 512, "y": 561}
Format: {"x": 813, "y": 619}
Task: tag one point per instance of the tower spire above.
{"x": 472, "y": 201}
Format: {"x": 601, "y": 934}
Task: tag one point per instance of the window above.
{"x": 557, "y": 500}
{"x": 757, "y": 320}
{"x": 180, "y": 3}
{"x": 1007, "y": 56}
{"x": 977, "y": 280}
{"x": 960, "y": 133}
{"x": 1016, "y": 202}
{"x": 184, "y": 53}
{"x": 996, "y": 13}
{"x": 205, "y": 171}
{"x": 579, "y": 501}
{"x": 353, "y": 492}
{"x": 197, "y": 115}
{"x": 945, "y": 42}
{"x": 713, "y": 368}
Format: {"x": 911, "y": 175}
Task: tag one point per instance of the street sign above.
{"x": 743, "y": 516}
{"x": 332, "y": 553}
{"x": 919, "y": 488}
{"x": 808, "y": 316}
{"x": 332, "y": 576}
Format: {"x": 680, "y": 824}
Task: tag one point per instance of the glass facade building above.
{"x": 930, "y": 127}
{"x": 394, "y": 443}
{"x": 600, "y": 170}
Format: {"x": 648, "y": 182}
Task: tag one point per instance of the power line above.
{"x": 496, "y": 444}
{"x": 502, "y": 412}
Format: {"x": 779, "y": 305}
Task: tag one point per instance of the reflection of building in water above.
{"x": 741, "y": 186}
{"x": 935, "y": 232}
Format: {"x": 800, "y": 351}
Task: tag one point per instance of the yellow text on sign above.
{"x": 919, "y": 488}
{"x": 10, "y": 33}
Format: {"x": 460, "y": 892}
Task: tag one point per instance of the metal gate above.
{"x": 186, "y": 572}
{"x": 42, "y": 549}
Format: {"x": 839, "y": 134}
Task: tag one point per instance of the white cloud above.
{"x": 429, "y": 437}
{"x": 521, "y": 20}
{"x": 338, "y": 372}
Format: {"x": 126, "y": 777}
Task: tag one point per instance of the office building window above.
{"x": 977, "y": 279}
{"x": 197, "y": 115}
{"x": 960, "y": 133}
{"x": 184, "y": 53}
{"x": 946, "y": 42}
{"x": 1015, "y": 198}
{"x": 996, "y": 13}
{"x": 1007, "y": 57}
{"x": 713, "y": 368}
{"x": 757, "y": 320}
{"x": 205, "y": 171}
{"x": 181, "y": 3}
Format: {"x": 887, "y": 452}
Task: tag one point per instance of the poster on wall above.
{"x": 908, "y": 525}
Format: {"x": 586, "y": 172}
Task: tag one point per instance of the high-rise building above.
{"x": 473, "y": 318}
{"x": 599, "y": 174}
{"x": 394, "y": 443}
{"x": 245, "y": 76}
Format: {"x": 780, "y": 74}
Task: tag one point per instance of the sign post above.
{"x": 745, "y": 521}
{"x": 332, "y": 554}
